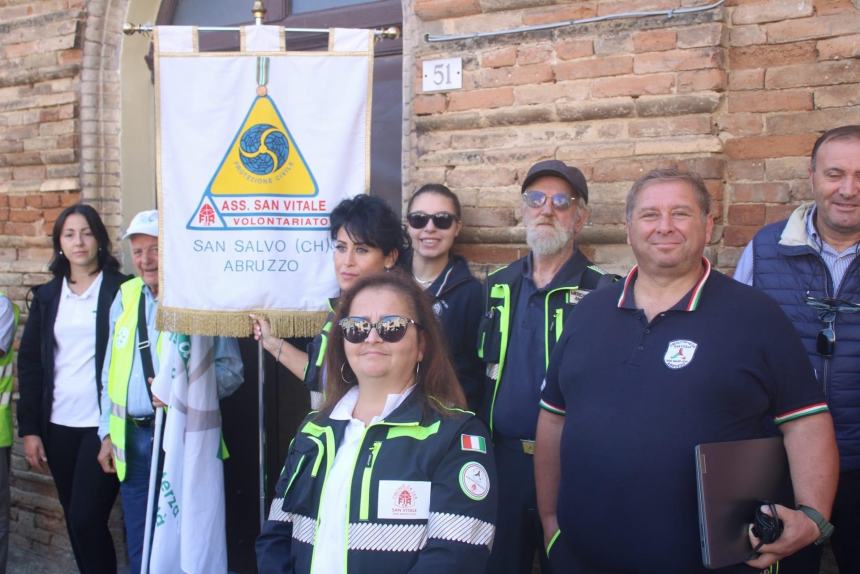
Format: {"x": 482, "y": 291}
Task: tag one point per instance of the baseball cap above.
{"x": 561, "y": 170}
{"x": 145, "y": 223}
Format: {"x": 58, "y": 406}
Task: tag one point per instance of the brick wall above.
{"x": 57, "y": 100}
{"x": 738, "y": 93}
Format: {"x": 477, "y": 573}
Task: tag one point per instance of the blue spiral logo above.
{"x": 263, "y": 149}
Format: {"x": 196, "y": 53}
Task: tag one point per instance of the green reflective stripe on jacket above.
{"x": 6, "y": 387}
{"x": 123, "y": 349}
{"x": 557, "y": 321}
{"x": 501, "y": 291}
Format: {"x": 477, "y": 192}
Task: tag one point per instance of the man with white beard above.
{"x": 527, "y": 304}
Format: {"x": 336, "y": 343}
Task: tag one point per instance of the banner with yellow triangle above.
{"x": 255, "y": 149}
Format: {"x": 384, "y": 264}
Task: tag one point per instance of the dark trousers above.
{"x": 518, "y": 530}
{"x": 135, "y": 490}
{"x": 86, "y": 493}
{"x": 846, "y": 519}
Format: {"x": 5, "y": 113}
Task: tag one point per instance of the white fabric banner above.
{"x": 190, "y": 521}
{"x": 254, "y": 152}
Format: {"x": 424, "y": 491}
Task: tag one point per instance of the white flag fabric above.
{"x": 190, "y": 522}
{"x": 254, "y": 150}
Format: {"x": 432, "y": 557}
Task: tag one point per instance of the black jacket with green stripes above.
{"x": 575, "y": 280}
{"x": 415, "y": 446}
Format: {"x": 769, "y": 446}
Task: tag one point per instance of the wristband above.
{"x": 825, "y": 529}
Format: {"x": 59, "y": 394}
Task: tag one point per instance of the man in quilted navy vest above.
{"x": 809, "y": 264}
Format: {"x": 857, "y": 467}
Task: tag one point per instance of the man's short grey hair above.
{"x": 693, "y": 179}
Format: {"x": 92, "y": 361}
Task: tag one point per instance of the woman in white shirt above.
{"x": 61, "y": 355}
{"x": 391, "y": 475}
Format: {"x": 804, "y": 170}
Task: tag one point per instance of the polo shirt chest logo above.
{"x": 679, "y": 353}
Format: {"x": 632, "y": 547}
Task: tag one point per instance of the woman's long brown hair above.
{"x": 437, "y": 380}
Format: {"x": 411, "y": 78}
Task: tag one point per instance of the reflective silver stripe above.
{"x": 5, "y": 399}
{"x": 117, "y": 410}
{"x": 118, "y": 453}
{"x": 460, "y": 528}
{"x": 303, "y": 526}
{"x": 387, "y": 537}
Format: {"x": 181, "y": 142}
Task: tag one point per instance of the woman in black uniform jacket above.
{"x": 59, "y": 377}
{"x": 433, "y": 217}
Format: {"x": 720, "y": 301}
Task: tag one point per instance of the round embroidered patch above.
{"x": 474, "y": 481}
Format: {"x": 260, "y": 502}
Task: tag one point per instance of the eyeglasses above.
{"x": 536, "y": 198}
{"x": 441, "y": 220}
{"x": 828, "y": 308}
{"x": 390, "y": 328}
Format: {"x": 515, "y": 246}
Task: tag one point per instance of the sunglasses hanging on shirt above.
{"x": 828, "y": 308}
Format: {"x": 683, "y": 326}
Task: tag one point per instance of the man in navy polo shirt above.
{"x": 675, "y": 356}
{"x": 527, "y": 304}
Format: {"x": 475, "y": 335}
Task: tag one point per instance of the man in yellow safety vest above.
{"x": 132, "y": 359}
{"x": 8, "y": 324}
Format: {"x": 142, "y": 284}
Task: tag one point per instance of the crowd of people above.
{"x": 549, "y": 415}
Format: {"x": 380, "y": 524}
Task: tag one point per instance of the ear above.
{"x": 458, "y": 225}
{"x": 391, "y": 259}
{"x": 581, "y": 219}
{"x": 709, "y": 228}
{"x": 627, "y": 231}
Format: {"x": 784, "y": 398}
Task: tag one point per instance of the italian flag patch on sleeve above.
{"x": 473, "y": 442}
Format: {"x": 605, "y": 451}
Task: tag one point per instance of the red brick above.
{"x": 633, "y": 85}
{"x": 51, "y": 215}
{"x": 702, "y": 80}
{"x": 820, "y": 74}
{"x": 25, "y": 215}
{"x": 746, "y": 79}
{"x": 769, "y": 146}
{"x": 745, "y": 169}
{"x": 824, "y": 7}
{"x": 676, "y": 60}
{"x": 494, "y": 254}
{"x": 654, "y": 40}
{"x": 488, "y": 217}
{"x": 28, "y": 172}
{"x": 703, "y": 35}
{"x": 533, "y": 54}
{"x": 715, "y": 190}
{"x": 70, "y": 198}
{"x": 768, "y": 56}
{"x": 428, "y": 104}
{"x": 25, "y": 229}
{"x": 571, "y": 49}
{"x": 561, "y": 13}
{"x": 481, "y": 99}
{"x": 776, "y": 213}
{"x": 34, "y": 200}
{"x": 837, "y": 96}
{"x": 73, "y": 56}
{"x": 677, "y": 126}
{"x": 770, "y": 11}
{"x": 778, "y": 192}
{"x": 17, "y": 201}
{"x": 499, "y": 57}
{"x": 735, "y": 236}
{"x": 748, "y": 214}
{"x": 747, "y": 36}
{"x": 842, "y": 47}
{"x": 531, "y": 74}
{"x": 820, "y": 27}
{"x": 49, "y": 199}
{"x": 597, "y": 67}
{"x": 438, "y": 9}
{"x": 770, "y": 101}
{"x": 617, "y": 6}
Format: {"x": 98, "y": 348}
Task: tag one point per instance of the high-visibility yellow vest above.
{"x": 6, "y": 388}
{"x": 123, "y": 351}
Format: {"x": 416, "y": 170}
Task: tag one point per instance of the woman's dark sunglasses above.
{"x": 390, "y": 328}
{"x": 441, "y": 220}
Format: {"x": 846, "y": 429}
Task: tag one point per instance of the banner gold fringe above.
{"x": 238, "y": 323}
